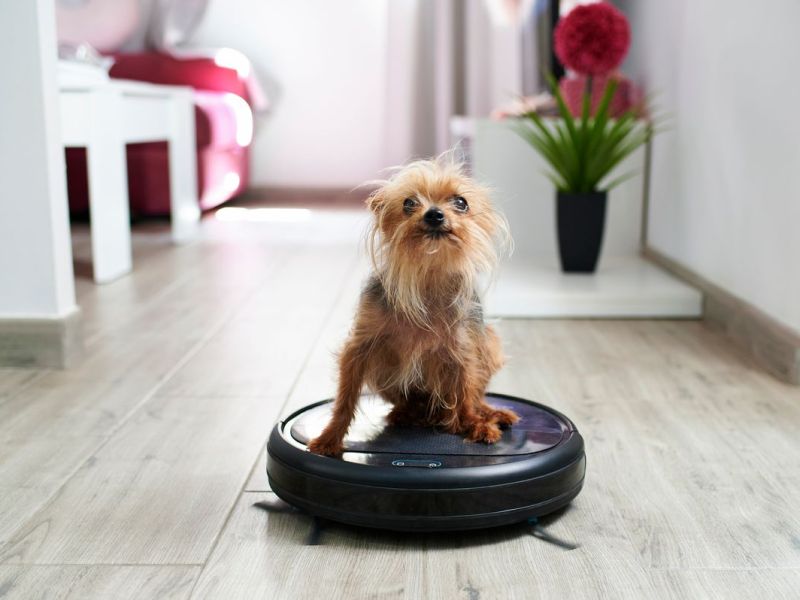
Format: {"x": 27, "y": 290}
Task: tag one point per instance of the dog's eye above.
{"x": 460, "y": 204}
{"x": 409, "y": 204}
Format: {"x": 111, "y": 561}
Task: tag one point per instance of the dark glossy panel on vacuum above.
{"x": 537, "y": 430}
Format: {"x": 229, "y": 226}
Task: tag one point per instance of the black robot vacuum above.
{"x": 421, "y": 479}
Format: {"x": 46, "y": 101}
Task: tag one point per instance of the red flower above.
{"x": 592, "y": 39}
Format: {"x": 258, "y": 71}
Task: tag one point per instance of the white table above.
{"x": 104, "y": 116}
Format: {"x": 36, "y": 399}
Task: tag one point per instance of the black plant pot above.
{"x": 580, "y": 220}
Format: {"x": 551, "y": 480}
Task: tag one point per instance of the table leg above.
{"x": 108, "y": 191}
{"x": 185, "y": 207}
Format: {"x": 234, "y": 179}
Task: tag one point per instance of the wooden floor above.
{"x": 134, "y": 475}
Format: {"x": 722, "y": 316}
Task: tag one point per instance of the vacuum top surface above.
{"x": 538, "y": 429}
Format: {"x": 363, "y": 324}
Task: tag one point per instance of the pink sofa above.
{"x": 225, "y": 93}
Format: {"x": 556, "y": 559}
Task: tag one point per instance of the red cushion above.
{"x": 201, "y": 73}
{"x": 220, "y": 118}
{"x": 223, "y": 126}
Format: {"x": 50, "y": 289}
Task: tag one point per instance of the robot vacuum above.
{"x": 421, "y": 479}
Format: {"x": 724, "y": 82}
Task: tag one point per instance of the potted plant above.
{"x": 582, "y": 150}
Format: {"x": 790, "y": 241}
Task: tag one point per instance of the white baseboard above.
{"x": 773, "y": 345}
{"x": 32, "y": 342}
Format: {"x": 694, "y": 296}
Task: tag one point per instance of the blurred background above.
{"x": 381, "y": 78}
{"x": 297, "y": 104}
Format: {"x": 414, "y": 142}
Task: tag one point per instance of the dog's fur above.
{"x": 419, "y": 339}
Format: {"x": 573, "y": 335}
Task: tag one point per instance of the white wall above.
{"x": 324, "y": 66}
{"x": 725, "y": 188}
{"x": 443, "y": 58}
{"x": 359, "y": 85}
{"x": 36, "y": 278}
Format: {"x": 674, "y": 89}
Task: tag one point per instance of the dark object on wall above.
{"x": 580, "y": 223}
{"x": 421, "y": 479}
{"x": 556, "y": 68}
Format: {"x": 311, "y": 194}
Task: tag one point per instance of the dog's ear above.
{"x": 376, "y": 199}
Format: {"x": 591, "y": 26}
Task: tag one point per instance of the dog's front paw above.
{"x": 487, "y": 433}
{"x": 504, "y": 417}
{"x": 326, "y": 446}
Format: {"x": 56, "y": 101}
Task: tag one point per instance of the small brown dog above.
{"x": 419, "y": 339}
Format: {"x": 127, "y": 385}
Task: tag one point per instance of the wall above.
{"x": 36, "y": 279}
{"x": 359, "y": 85}
{"x": 725, "y": 197}
{"x": 323, "y": 64}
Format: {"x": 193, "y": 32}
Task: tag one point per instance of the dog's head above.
{"x": 433, "y": 221}
{"x": 431, "y": 215}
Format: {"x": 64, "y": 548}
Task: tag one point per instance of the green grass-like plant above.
{"x": 582, "y": 152}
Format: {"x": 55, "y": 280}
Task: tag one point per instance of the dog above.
{"x": 419, "y": 339}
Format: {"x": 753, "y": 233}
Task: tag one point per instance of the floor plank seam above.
{"x": 326, "y": 320}
{"x": 98, "y": 337}
{"x": 720, "y": 569}
{"x": 194, "y": 350}
{"x": 142, "y": 263}
{"x": 40, "y": 374}
{"x": 105, "y": 565}
{"x": 242, "y": 491}
{"x": 258, "y": 458}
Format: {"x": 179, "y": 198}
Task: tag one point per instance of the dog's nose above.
{"x": 434, "y": 217}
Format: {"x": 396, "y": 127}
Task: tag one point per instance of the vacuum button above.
{"x": 414, "y": 462}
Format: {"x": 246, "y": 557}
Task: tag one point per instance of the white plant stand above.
{"x": 531, "y": 284}
{"x": 105, "y": 115}
{"x": 625, "y": 287}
